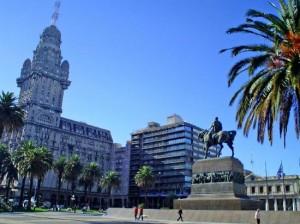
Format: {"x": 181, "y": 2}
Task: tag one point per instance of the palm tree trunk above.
{"x": 1, "y": 130}
{"x": 7, "y": 189}
{"x": 90, "y": 192}
{"x": 58, "y": 190}
{"x": 22, "y": 191}
{"x": 38, "y": 192}
{"x": 85, "y": 193}
{"x": 109, "y": 196}
{"x": 30, "y": 192}
{"x": 145, "y": 197}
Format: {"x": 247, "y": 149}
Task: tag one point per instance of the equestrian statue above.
{"x": 216, "y": 136}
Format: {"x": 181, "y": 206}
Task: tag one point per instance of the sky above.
{"x": 135, "y": 61}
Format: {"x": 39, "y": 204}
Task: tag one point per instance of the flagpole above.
{"x": 267, "y": 188}
{"x": 283, "y": 185}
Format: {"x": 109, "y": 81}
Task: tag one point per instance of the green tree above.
{"x": 90, "y": 175}
{"x": 59, "y": 169}
{"x": 11, "y": 115}
{"x": 273, "y": 88}
{"x": 41, "y": 164}
{"x": 11, "y": 176}
{"x": 72, "y": 171}
{"x": 4, "y": 160}
{"x": 33, "y": 161}
{"x": 20, "y": 157}
{"x": 109, "y": 181}
{"x": 144, "y": 179}
{"x": 8, "y": 171}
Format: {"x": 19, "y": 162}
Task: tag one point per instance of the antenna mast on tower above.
{"x": 55, "y": 14}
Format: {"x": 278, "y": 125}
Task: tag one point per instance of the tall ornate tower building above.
{"x": 42, "y": 82}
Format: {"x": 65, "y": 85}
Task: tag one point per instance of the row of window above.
{"x": 169, "y": 149}
{"x": 167, "y": 131}
{"x": 276, "y": 189}
{"x": 176, "y": 135}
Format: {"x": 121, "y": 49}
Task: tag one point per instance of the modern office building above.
{"x": 277, "y": 194}
{"x": 121, "y": 163}
{"x": 170, "y": 150}
{"x": 42, "y": 84}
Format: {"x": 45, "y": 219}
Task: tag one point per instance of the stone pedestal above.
{"x": 218, "y": 184}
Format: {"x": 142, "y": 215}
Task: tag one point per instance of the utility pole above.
{"x": 267, "y": 188}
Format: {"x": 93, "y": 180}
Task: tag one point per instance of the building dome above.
{"x": 51, "y": 32}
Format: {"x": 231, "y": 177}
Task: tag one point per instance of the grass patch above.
{"x": 32, "y": 210}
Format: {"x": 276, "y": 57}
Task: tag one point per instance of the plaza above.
{"x": 130, "y": 67}
{"x": 63, "y": 218}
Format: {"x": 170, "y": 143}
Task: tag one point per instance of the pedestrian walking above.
{"x": 180, "y": 214}
{"x": 135, "y": 212}
{"x": 257, "y": 216}
{"x": 141, "y": 215}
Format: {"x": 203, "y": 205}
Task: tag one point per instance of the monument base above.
{"x": 211, "y": 203}
{"x": 218, "y": 184}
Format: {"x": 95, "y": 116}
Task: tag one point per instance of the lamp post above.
{"x": 73, "y": 202}
{"x": 159, "y": 175}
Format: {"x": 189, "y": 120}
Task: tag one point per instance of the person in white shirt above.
{"x": 257, "y": 216}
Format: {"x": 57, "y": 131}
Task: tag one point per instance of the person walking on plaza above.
{"x": 257, "y": 216}
{"x": 135, "y": 211}
{"x": 180, "y": 215}
{"x": 141, "y": 213}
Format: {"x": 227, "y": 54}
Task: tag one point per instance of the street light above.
{"x": 73, "y": 202}
{"x": 159, "y": 175}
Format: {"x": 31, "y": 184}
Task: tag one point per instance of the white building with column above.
{"x": 278, "y": 194}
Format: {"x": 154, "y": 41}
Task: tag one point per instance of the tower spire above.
{"x": 55, "y": 14}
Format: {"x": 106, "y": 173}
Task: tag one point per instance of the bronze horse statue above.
{"x": 217, "y": 139}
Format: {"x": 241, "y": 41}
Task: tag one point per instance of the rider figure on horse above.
{"x": 215, "y": 127}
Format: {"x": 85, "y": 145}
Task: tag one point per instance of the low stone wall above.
{"x": 218, "y": 216}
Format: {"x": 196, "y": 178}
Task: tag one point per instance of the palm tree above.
{"x": 11, "y": 176}
{"x": 72, "y": 171}
{"x": 144, "y": 179}
{"x": 90, "y": 175}
{"x": 39, "y": 161}
{"x": 41, "y": 165}
{"x": 59, "y": 168}
{"x": 273, "y": 88}
{"x": 33, "y": 161}
{"x": 8, "y": 171}
{"x": 109, "y": 181}
{"x": 20, "y": 157}
{"x": 4, "y": 160}
{"x": 11, "y": 115}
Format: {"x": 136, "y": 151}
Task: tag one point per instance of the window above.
{"x": 278, "y": 188}
{"x": 287, "y": 188}
{"x": 261, "y": 189}
{"x": 253, "y": 190}
{"x": 269, "y": 189}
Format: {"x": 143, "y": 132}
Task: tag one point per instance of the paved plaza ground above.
{"x": 64, "y": 218}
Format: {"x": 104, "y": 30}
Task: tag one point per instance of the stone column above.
{"x": 275, "y": 205}
{"x": 267, "y": 205}
{"x": 294, "y": 204}
{"x": 298, "y": 204}
{"x": 284, "y": 204}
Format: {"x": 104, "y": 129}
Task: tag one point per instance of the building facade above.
{"x": 170, "y": 150}
{"x": 42, "y": 84}
{"x": 277, "y": 194}
{"x": 121, "y": 163}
